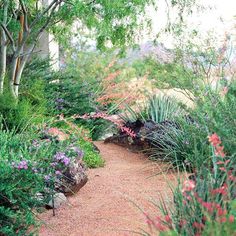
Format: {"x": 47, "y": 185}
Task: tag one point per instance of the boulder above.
{"x": 146, "y": 133}
{"x": 73, "y": 178}
{"x": 58, "y": 200}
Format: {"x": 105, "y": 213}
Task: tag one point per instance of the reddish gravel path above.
{"x": 105, "y": 205}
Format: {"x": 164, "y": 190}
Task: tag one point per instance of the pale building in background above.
{"x": 48, "y": 47}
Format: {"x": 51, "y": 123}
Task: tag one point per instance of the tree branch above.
{"x": 26, "y": 27}
{"x": 8, "y": 35}
{"x": 45, "y": 12}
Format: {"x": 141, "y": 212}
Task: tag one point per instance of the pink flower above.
{"x": 222, "y": 169}
{"x": 222, "y": 190}
{"x": 223, "y": 220}
{"x": 198, "y": 225}
{"x": 231, "y": 218}
{"x": 168, "y": 219}
{"x": 208, "y": 206}
{"x": 219, "y": 151}
{"x": 214, "y": 139}
{"x": 188, "y": 186}
{"x": 224, "y": 91}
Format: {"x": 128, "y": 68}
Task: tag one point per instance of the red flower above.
{"x": 219, "y": 151}
{"x": 221, "y": 212}
{"x": 214, "y": 139}
{"x": 231, "y": 218}
{"x": 168, "y": 219}
{"x": 222, "y": 169}
{"x": 198, "y": 225}
{"x": 223, "y": 220}
{"x": 208, "y": 206}
{"x": 188, "y": 186}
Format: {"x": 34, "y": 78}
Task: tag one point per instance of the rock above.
{"x": 105, "y": 136}
{"x": 55, "y": 132}
{"x": 95, "y": 148}
{"x": 73, "y": 178}
{"x": 146, "y": 133}
{"x": 58, "y": 200}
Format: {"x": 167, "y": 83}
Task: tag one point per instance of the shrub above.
{"x": 80, "y": 137}
{"x": 19, "y": 184}
{"x": 177, "y": 144}
{"x": 18, "y": 115}
{"x": 91, "y": 157}
{"x": 161, "y": 108}
{"x": 30, "y": 109}
{"x": 31, "y": 169}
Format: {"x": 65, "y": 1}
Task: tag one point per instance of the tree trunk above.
{"x": 3, "y": 50}
{"x": 12, "y": 76}
{"x": 3, "y": 60}
{"x": 19, "y": 75}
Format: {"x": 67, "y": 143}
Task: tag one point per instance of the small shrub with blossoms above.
{"x": 31, "y": 166}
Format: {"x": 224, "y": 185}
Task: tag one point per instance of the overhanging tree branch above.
{"x": 26, "y": 27}
{"x": 8, "y": 35}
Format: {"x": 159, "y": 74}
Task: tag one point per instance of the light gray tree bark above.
{"x": 3, "y": 47}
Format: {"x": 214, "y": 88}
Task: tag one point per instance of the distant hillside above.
{"x": 158, "y": 51}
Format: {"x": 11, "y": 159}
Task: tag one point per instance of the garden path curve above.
{"x": 105, "y": 206}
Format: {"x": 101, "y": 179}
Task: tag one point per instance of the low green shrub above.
{"x": 18, "y": 115}
{"x": 31, "y": 166}
{"x": 20, "y": 184}
{"x": 91, "y": 156}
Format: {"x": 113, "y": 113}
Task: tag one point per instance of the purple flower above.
{"x": 53, "y": 164}
{"x": 60, "y": 100}
{"x": 59, "y": 107}
{"x": 59, "y": 156}
{"x": 35, "y": 170}
{"x": 35, "y": 143}
{"x": 58, "y": 172}
{"x": 66, "y": 160}
{"x": 47, "y": 177}
{"x": 21, "y": 165}
{"x": 79, "y": 152}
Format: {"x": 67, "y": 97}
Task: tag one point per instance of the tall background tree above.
{"x": 22, "y": 23}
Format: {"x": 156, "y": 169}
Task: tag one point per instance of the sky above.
{"x": 217, "y": 17}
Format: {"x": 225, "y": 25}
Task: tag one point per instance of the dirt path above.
{"x": 105, "y": 206}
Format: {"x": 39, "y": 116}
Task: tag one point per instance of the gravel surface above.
{"x": 108, "y": 205}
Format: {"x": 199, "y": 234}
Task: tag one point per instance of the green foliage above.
{"x": 18, "y": 115}
{"x": 75, "y": 90}
{"x": 30, "y": 165}
{"x": 168, "y": 75}
{"x": 31, "y": 108}
{"x": 211, "y": 203}
{"x": 19, "y": 187}
{"x": 157, "y": 108}
{"x": 204, "y": 205}
{"x": 91, "y": 157}
{"x": 161, "y": 108}
{"x": 213, "y": 113}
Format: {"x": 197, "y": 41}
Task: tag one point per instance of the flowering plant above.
{"x": 205, "y": 204}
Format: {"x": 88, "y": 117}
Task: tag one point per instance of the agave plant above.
{"x": 157, "y": 108}
{"x": 161, "y": 108}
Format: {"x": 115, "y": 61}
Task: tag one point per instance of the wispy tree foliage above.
{"x": 22, "y": 23}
